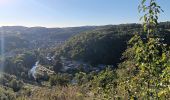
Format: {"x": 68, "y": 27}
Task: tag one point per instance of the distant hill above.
{"x": 28, "y": 38}
{"x": 20, "y": 37}
{"x": 106, "y": 44}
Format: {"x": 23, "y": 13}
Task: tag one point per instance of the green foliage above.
{"x": 19, "y": 63}
{"x": 6, "y": 94}
{"x": 60, "y": 79}
{"x": 19, "y": 38}
{"x": 57, "y": 66}
{"x": 149, "y": 61}
{"x": 102, "y": 79}
{"x": 103, "y": 84}
{"x": 103, "y": 46}
{"x": 151, "y": 11}
{"x": 13, "y": 43}
{"x": 81, "y": 78}
{"x": 142, "y": 75}
{"x": 15, "y": 85}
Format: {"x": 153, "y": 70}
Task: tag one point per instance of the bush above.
{"x": 59, "y": 79}
{"x": 15, "y": 85}
{"x": 6, "y": 94}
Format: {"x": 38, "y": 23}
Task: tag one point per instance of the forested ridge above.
{"x": 106, "y": 45}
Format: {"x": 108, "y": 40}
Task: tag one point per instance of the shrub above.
{"x": 15, "y": 85}
{"x": 59, "y": 79}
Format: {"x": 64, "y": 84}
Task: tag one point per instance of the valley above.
{"x": 38, "y": 62}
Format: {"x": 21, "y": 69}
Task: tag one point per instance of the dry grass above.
{"x": 56, "y": 93}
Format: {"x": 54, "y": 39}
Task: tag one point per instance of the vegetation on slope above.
{"x": 142, "y": 74}
{"x": 105, "y": 45}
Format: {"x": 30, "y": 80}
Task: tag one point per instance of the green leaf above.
{"x": 143, "y": 1}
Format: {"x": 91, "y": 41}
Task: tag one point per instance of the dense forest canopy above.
{"x": 106, "y": 45}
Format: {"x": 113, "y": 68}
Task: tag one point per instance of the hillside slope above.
{"x": 104, "y": 45}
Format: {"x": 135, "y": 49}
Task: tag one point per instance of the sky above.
{"x": 70, "y": 13}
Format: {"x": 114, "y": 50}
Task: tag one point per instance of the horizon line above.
{"x": 33, "y": 26}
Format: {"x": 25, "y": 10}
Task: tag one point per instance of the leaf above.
{"x": 162, "y": 10}
{"x": 143, "y": 1}
{"x": 141, "y": 18}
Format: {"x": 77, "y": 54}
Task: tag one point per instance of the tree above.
{"x": 15, "y": 85}
{"x": 59, "y": 79}
{"x": 146, "y": 60}
{"x": 57, "y": 66}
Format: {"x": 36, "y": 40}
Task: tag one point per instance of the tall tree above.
{"x": 146, "y": 60}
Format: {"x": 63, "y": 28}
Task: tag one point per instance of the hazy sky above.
{"x": 65, "y": 13}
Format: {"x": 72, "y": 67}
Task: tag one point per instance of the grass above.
{"x": 55, "y": 93}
